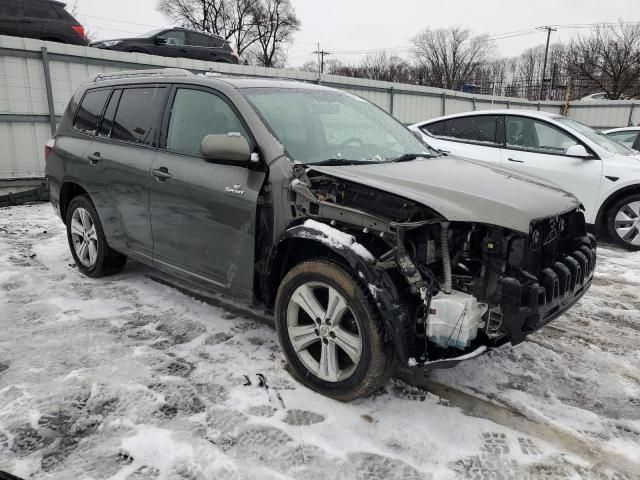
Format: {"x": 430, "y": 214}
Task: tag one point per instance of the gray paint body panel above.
{"x": 463, "y": 190}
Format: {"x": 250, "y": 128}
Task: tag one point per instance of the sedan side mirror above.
{"x": 577, "y": 151}
{"x": 230, "y": 148}
{"x": 160, "y": 41}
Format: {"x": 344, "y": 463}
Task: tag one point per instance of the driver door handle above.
{"x": 94, "y": 158}
{"x": 161, "y": 174}
{"x": 514, "y": 160}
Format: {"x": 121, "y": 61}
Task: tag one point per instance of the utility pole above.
{"x": 546, "y": 54}
{"x": 321, "y": 54}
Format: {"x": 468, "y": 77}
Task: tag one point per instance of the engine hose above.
{"x": 446, "y": 259}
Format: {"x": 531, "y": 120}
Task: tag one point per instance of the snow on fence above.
{"x": 38, "y": 78}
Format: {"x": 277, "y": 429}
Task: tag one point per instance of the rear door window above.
{"x": 173, "y": 37}
{"x": 196, "y": 114}
{"x": 90, "y": 110}
{"x": 478, "y": 129}
{"x": 136, "y": 118}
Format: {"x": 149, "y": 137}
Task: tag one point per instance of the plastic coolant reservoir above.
{"x": 454, "y": 319}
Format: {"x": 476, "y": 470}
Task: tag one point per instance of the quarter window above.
{"x": 529, "y": 134}
{"x": 137, "y": 114}
{"x": 90, "y": 110}
{"x": 196, "y": 114}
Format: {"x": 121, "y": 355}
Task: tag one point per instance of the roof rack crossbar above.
{"x": 161, "y": 72}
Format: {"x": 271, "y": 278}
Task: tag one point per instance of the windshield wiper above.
{"x": 407, "y": 157}
{"x": 341, "y": 161}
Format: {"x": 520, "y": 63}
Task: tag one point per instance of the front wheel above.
{"x": 89, "y": 247}
{"x": 330, "y": 332}
{"x": 624, "y": 222}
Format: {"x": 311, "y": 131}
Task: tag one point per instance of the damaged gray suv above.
{"x": 372, "y": 250}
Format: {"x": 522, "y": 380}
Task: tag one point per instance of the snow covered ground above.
{"x": 126, "y": 378}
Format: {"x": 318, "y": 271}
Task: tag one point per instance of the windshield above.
{"x": 328, "y": 125}
{"x": 152, "y": 33}
{"x": 599, "y": 138}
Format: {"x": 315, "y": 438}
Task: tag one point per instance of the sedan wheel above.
{"x": 84, "y": 237}
{"x": 324, "y": 331}
{"x": 624, "y": 222}
{"x": 627, "y": 223}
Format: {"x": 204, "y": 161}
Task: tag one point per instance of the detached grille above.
{"x": 536, "y": 300}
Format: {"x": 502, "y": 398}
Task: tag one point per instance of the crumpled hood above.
{"x": 464, "y": 190}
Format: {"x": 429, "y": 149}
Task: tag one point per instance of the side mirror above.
{"x": 577, "y": 151}
{"x": 160, "y": 41}
{"x": 229, "y": 148}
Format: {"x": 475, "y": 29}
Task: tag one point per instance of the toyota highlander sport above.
{"x": 370, "y": 249}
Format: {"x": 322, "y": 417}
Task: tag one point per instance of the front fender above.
{"x": 376, "y": 281}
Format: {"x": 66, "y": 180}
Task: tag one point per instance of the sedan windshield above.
{"x": 599, "y": 138}
{"x": 329, "y": 126}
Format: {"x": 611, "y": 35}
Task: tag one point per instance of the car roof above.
{"x": 177, "y": 75}
{"x": 502, "y": 111}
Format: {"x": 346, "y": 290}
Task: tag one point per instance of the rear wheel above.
{"x": 624, "y": 222}
{"x": 330, "y": 332}
{"x": 89, "y": 247}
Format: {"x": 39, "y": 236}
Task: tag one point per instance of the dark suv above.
{"x": 175, "y": 42}
{"x": 370, "y": 249}
{"x": 41, "y": 19}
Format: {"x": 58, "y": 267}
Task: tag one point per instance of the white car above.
{"x": 629, "y": 136}
{"x": 602, "y": 173}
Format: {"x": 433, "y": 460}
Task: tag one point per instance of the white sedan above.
{"x": 602, "y": 173}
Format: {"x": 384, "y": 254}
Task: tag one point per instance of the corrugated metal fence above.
{"x": 38, "y": 78}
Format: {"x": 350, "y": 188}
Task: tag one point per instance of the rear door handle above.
{"x": 94, "y": 158}
{"x": 514, "y": 160}
{"x": 161, "y": 174}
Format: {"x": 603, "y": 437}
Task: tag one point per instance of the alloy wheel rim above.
{"x": 627, "y": 223}
{"x": 84, "y": 237}
{"x": 324, "y": 332}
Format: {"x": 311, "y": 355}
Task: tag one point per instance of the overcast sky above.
{"x": 357, "y": 25}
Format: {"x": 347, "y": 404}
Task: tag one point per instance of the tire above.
{"x": 320, "y": 359}
{"x": 623, "y": 222}
{"x": 97, "y": 259}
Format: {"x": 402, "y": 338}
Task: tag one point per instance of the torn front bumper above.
{"x": 528, "y": 307}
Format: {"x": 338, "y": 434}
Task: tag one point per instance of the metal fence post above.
{"x": 47, "y": 84}
{"x": 444, "y": 104}
{"x": 391, "y": 101}
{"x": 475, "y": 107}
{"x": 630, "y": 122}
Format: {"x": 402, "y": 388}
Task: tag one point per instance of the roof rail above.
{"x": 161, "y": 72}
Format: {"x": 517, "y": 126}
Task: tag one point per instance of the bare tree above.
{"x": 233, "y": 20}
{"x": 610, "y": 58}
{"x": 275, "y": 23}
{"x": 450, "y": 56}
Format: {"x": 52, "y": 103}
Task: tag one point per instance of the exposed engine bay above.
{"x": 464, "y": 287}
